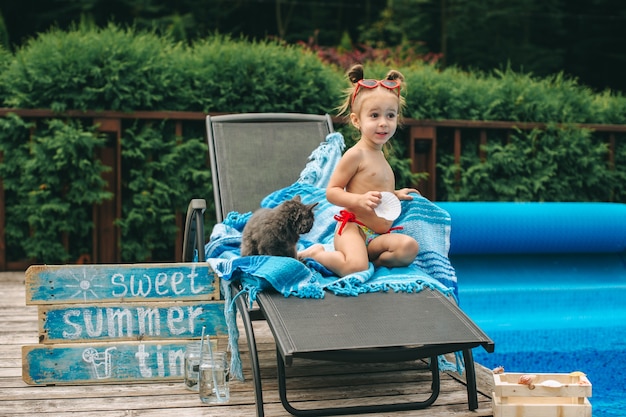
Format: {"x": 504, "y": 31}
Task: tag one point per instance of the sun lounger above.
{"x": 248, "y": 151}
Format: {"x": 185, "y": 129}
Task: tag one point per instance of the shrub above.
{"x": 95, "y": 69}
{"x": 51, "y": 170}
{"x": 161, "y": 173}
{"x": 556, "y": 164}
{"x": 51, "y": 182}
{"x": 225, "y": 75}
{"x": 121, "y": 69}
{"x": 507, "y": 95}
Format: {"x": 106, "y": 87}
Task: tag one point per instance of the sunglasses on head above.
{"x": 369, "y": 83}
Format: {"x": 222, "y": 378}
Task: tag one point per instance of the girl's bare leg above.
{"x": 349, "y": 256}
{"x": 392, "y": 250}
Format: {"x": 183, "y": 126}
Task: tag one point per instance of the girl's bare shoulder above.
{"x": 355, "y": 151}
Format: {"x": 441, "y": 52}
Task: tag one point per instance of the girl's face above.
{"x": 377, "y": 116}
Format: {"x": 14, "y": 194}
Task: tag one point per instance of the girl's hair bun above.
{"x": 395, "y": 75}
{"x": 355, "y": 73}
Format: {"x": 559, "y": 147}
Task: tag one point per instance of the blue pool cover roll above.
{"x": 508, "y": 227}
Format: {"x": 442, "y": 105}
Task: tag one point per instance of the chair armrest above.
{"x": 193, "y": 237}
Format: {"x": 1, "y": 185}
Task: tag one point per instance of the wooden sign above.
{"x": 130, "y": 321}
{"x": 103, "y": 363}
{"x": 46, "y": 284}
{"x": 118, "y": 323}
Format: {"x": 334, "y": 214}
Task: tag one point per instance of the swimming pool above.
{"x": 544, "y": 322}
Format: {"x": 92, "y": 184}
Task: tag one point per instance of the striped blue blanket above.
{"x": 420, "y": 218}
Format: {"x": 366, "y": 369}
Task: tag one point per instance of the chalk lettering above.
{"x": 154, "y": 321}
{"x": 175, "y": 362}
{"x": 160, "y": 281}
{"x": 175, "y": 315}
{"x": 73, "y": 284}
{"x": 126, "y": 322}
{"x": 162, "y": 284}
{"x": 177, "y": 279}
{"x": 160, "y": 365}
{"x": 137, "y": 289}
{"x": 120, "y": 315}
{"x": 192, "y": 277}
{"x": 193, "y": 313}
{"x": 77, "y": 327}
{"x": 141, "y": 356}
{"x": 91, "y": 330}
{"x": 118, "y": 281}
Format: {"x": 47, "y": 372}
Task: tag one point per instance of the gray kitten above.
{"x": 276, "y": 231}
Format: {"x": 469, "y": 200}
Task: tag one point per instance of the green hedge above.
{"x": 237, "y": 76}
{"x": 506, "y": 95}
{"x": 52, "y": 176}
{"x": 555, "y": 164}
{"x": 120, "y": 69}
{"x": 111, "y": 69}
{"x": 51, "y": 181}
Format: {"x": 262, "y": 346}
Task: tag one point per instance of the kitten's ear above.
{"x": 312, "y": 206}
{"x": 297, "y": 198}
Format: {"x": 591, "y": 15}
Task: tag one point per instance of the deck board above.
{"x": 348, "y": 384}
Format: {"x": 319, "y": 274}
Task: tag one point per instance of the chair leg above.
{"x": 436, "y": 384}
{"x": 254, "y": 356}
{"x": 334, "y": 411}
{"x": 470, "y": 377}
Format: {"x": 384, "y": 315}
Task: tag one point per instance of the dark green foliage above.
{"x": 619, "y": 170}
{"x": 52, "y": 177}
{"x": 111, "y": 68}
{"x": 224, "y": 75}
{"x": 569, "y": 164}
{"x": 162, "y": 172}
{"x": 116, "y": 69}
{"x": 507, "y": 95}
{"x": 558, "y": 164}
{"x": 584, "y": 39}
{"x": 5, "y": 59}
{"x": 51, "y": 181}
{"x": 402, "y": 166}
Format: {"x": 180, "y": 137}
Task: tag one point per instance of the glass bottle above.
{"x": 192, "y": 365}
{"x": 213, "y": 379}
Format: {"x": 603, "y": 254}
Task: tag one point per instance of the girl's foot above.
{"x": 311, "y": 251}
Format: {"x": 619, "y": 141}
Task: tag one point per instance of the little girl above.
{"x": 361, "y": 175}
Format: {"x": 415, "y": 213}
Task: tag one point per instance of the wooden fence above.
{"x": 423, "y": 148}
{"x": 424, "y": 136}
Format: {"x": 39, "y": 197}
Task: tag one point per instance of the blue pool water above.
{"x": 554, "y": 323}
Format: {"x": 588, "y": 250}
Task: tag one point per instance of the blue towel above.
{"x": 420, "y": 218}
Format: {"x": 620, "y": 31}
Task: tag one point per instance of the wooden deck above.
{"x": 372, "y": 384}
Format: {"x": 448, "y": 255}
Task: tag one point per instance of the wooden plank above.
{"x": 18, "y": 337}
{"x": 177, "y": 401}
{"x": 130, "y": 321}
{"x": 171, "y": 398}
{"x": 74, "y": 284}
{"x": 88, "y": 363}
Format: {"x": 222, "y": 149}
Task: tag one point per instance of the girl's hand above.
{"x": 370, "y": 200}
{"x": 403, "y": 194}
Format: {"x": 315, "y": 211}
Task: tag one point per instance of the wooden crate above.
{"x": 547, "y": 395}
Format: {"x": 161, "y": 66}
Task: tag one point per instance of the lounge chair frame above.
{"x": 454, "y": 331}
